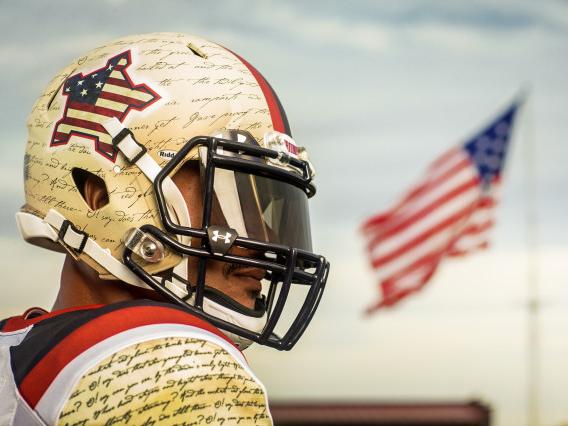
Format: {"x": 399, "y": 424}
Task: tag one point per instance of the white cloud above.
{"x": 320, "y": 29}
{"x": 359, "y": 36}
{"x": 451, "y": 37}
{"x": 438, "y": 31}
{"x": 21, "y": 57}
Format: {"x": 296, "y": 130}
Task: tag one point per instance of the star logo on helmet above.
{"x": 97, "y": 96}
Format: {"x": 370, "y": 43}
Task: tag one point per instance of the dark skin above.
{"x": 80, "y": 285}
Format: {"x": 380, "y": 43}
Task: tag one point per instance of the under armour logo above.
{"x": 221, "y": 239}
{"x": 226, "y": 238}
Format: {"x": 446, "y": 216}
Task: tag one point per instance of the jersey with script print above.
{"x": 137, "y": 362}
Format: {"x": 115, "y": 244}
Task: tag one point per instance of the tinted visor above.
{"x": 261, "y": 208}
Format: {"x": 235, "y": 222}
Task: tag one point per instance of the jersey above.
{"x": 138, "y": 363}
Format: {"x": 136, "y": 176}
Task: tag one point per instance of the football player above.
{"x": 164, "y": 167}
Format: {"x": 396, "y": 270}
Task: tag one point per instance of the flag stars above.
{"x": 483, "y": 143}
{"x": 110, "y": 67}
{"x": 84, "y": 92}
{"x": 488, "y": 153}
{"x": 99, "y": 85}
{"x": 80, "y": 82}
{"x": 493, "y": 162}
{"x": 488, "y": 161}
{"x": 94, "y": 75}
{"x": 502, "y": 128}
{"x": 498, "y": 146}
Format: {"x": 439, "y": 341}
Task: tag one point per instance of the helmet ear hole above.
{"x": 91, "y": 187}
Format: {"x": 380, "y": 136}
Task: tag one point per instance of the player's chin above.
{"x": 247, "y": 298}
{"x": 252, "y": 297}
{"x": 246, "y": 290}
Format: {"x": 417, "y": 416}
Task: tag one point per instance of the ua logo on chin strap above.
{"x": 221, "y": 239}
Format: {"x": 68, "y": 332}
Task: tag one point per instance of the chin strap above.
{"x": 250, "y": 323}
{"x": 56, "y": 228}
{"x": 177, "y": 284}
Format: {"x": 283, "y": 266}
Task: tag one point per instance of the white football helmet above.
{"x": 132, "y": 113}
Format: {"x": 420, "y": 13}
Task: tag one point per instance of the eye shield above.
{"x": 261, "y": 208}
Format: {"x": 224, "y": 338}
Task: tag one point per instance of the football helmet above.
{"x": 132, "y": 113}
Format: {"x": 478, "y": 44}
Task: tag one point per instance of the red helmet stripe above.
{"x": 277, "y": 114}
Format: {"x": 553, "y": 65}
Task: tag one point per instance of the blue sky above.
{"x": 375, "y": 90}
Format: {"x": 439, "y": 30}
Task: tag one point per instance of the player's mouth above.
{"x": 250, "y": 281}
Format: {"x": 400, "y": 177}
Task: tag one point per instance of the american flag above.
{"x": 97, "y": 96}
{"x": 449, "y": 213}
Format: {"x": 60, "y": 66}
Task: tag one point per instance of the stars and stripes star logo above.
{"x": 95, "y": 97}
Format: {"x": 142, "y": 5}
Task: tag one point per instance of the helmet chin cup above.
{"x": 255, "y": 324}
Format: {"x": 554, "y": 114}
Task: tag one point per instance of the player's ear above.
{"x": 96, "y": 195}
{"x": 92, "y": 188}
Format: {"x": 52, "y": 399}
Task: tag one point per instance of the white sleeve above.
{"x": 170, "y": 380}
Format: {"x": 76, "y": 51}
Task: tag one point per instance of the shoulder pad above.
{"x": 170, "y": 380}
{"x": 59, "y": 347}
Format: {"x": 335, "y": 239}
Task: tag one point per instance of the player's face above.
{"x": 242, "y": 284}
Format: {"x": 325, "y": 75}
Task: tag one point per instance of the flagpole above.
{"x": 533, "y": 302}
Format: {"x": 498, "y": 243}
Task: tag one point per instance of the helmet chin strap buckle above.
{"x": 73, "y": 237}
{"x": 221, "y": 239}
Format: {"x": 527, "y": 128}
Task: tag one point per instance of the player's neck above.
{"x": 81, "y": 285}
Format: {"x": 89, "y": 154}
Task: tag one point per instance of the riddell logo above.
{"x": 166, "y": 154}
{"x": 291, "y": 147}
